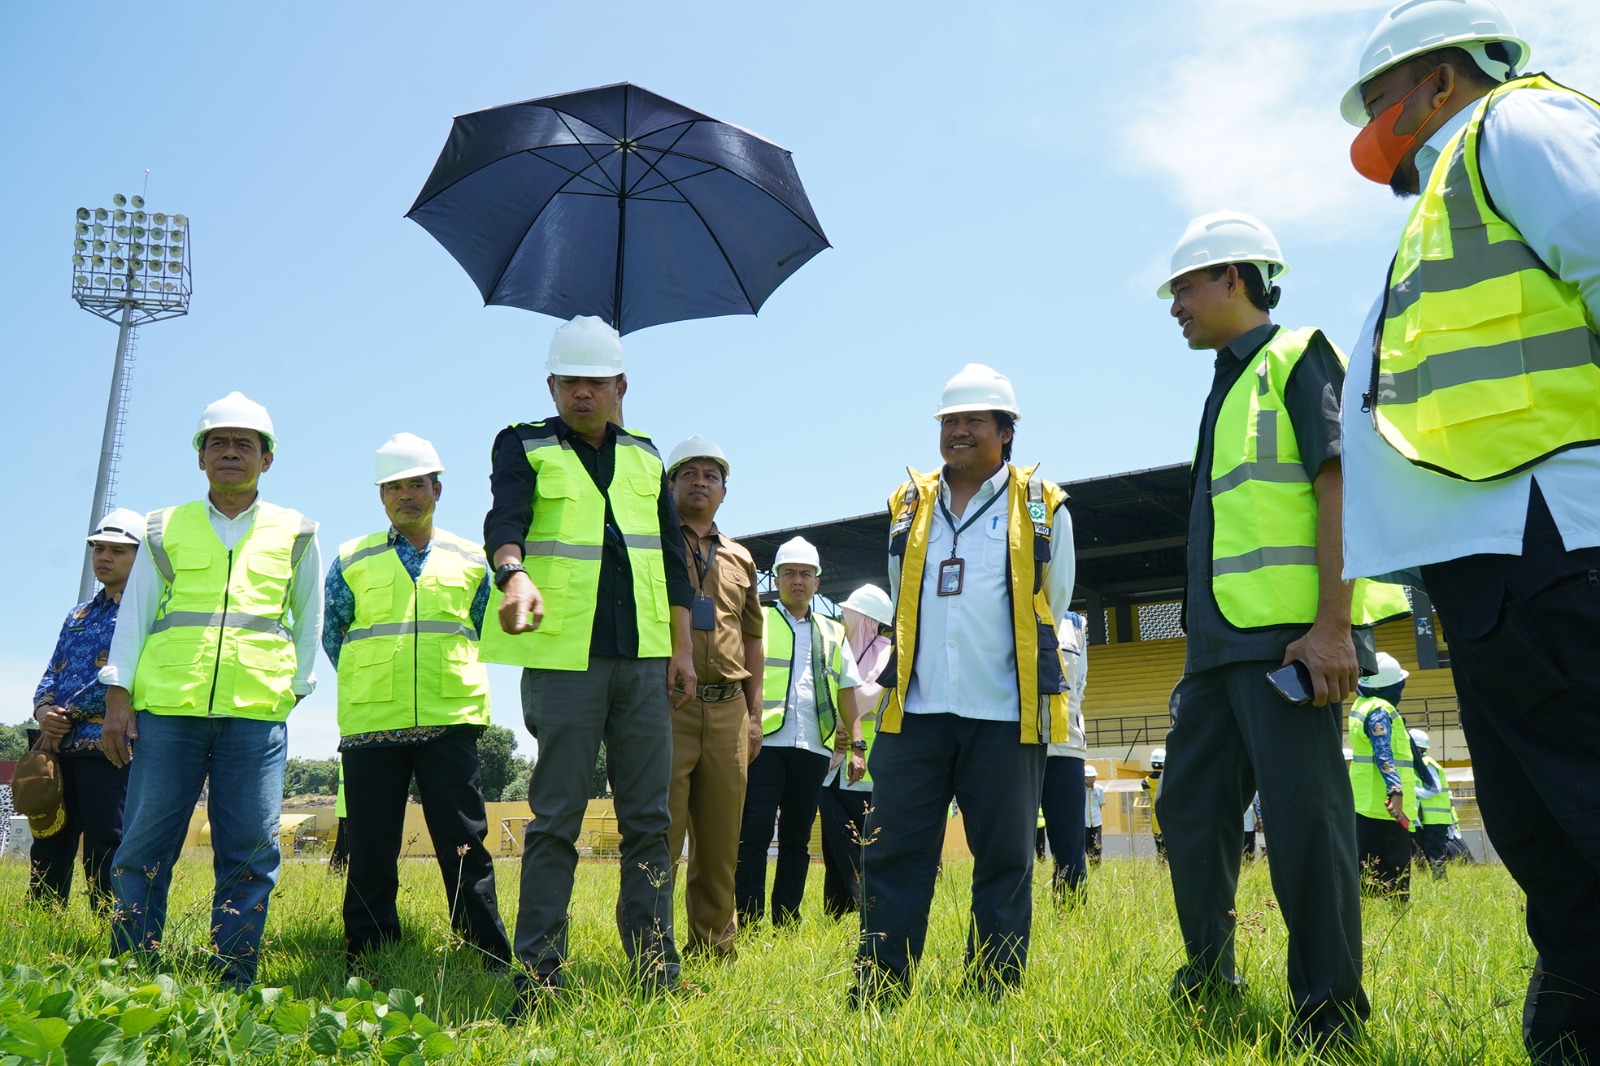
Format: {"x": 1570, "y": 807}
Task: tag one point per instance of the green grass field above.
{"x": 1445, "y": 975}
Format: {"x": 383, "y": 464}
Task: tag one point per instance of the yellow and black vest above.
{"x": 1366, "y": 781}
{"x": 1263, "y": 507}
{"x": 565, "y": 545}
{"x": 410, "y": 656}
{"x": 1031, "y": 506}
{"x": 1485, "y": 362}
{"x": 827, "y": 664}
{"x": 220, "y": 643}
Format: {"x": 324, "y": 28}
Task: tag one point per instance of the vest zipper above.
{"x": 416, "y": 607}
{"x": 211, "y": 700}
{"x": 1369, "y": 399}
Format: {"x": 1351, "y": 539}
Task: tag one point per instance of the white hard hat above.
{"x": 121, "y": 526}
{"x": 1419, "y": 739}
{"x": 235, "y": 411}
{"x": 797, "y": 550}
{"x": 1090, "y": 771}
{"x": 1224, "y": 237}
{"x": 405, "y": 455}
{"x": 871, "y": 601}
{"x": 1158, "y": 757}
{"x": 1389, "y": 672}
{"x": 696, "y": 448}
{"x": 978, "y": 388}
{"x": 1417, "y": 27}
{"x": 585, "y": 348}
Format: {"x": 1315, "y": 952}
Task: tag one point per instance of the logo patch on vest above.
{"x": 1036, "y": 511}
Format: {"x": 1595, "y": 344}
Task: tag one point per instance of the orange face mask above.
{"x": 1378, "y": 150}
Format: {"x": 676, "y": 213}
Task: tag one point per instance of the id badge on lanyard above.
{"x": 952, "y": 570}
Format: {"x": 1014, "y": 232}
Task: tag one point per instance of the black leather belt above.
{"x": 719, "y": 693}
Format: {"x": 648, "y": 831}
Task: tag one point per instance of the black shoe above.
{"x": 1191, "y": 986}
{"x": 534, "y": 995}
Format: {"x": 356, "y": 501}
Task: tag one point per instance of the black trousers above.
{"x": 1433, "y": 844}
{"x": 844, "y": 827}
{"x": 1523, "y": 632}
{"x": 377, "y": 780}
{"x": 93, "y": 791}
{"x": 1384, "y": 850}
{"x": 784, "y": 783}
{"x": 1062, "y": 801}
{"x": 1232, "y": 735}
{"x": 996, "y": 780}
{"x": 1095, "y": 845}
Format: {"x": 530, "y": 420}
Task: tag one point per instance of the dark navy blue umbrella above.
{"x": 619, "y": 203}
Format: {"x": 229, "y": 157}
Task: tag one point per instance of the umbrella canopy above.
{"x": 619, "y": 203}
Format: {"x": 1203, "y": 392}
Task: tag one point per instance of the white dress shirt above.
{"x": 1540, "y": 156}
{"x": 966, "y": 659}
{"x": 142, "y": 597}
{"x": 1092, "y": 802}
{"x": 801, "y": 728}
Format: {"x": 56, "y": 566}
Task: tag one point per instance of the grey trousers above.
{"x": 1231, "y": 735}
{"x": 623, "y": 701}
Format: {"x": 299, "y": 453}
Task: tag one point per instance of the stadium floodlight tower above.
{"x": 129, "y": 266}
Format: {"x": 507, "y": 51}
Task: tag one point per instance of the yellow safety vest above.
{"x": 870, "y": 716}
{"x": 827, "y": 664}
{"x": 564, "y": 548}
{"x": 1366, "y": 780}
{"x": 220, "y": 644}
{"x": 410, "y": 656}
{"x": 1435, "y": 807}
{"x": 1041, "y": 672}
{"x": 1485, "y": 361}
{"x": 1264, "y": 510}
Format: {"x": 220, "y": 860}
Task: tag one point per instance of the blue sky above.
{"x": 1001, "y": 183}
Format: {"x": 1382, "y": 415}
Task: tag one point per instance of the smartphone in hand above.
{"x": 1292, "y": 682}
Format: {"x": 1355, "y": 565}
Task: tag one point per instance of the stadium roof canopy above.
{"x": 1130, "y": 530}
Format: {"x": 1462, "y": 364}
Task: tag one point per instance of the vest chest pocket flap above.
{"x": 1447, "y": 394}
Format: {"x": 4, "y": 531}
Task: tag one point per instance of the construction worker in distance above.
{"x": 716, "y": 732}
{"x": 1061, "y": 801}
{"x": 808, "y": 696}
{"x": 1471, "y": 404}
{"x": 593, "y": 602}
{"x": 981, "y": 570}
{"x": 1383, "y": 780}
{"x": 215, "y": 644}
{"x": 405, "y": 608}
{"x": 1151, "y": 789}
{"x": 868, "y": 619}
{"x": 1435, "y": 809}
{"x": 1094, "y": 799}
{"x": 1264, "y": 595}
{"x": 69, "y": 707}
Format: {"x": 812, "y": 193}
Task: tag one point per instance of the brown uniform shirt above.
{"x": 730, "y": 582}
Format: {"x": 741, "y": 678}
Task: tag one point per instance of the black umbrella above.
{"x": 619, "y": 203}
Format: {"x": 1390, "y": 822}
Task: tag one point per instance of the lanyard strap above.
{"x": 956, "y": 533}
{"x": 703, "y": 565}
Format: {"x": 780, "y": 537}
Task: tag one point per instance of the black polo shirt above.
{"x": 1311, "y": 400}
{"x": 511, "y": 484}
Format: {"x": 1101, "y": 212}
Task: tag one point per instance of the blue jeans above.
{"x": 172, "y": 758}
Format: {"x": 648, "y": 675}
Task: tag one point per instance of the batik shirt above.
{"x": 72, "y": 680}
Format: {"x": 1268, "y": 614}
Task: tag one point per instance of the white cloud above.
{"x": 1245, "y": 113}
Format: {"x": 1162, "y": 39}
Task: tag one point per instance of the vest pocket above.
{"x": 460, "y": 674}
{"x": 1052, "y": 679}
{"x": 366, "y": 673}
{"x": 261, "y": 674}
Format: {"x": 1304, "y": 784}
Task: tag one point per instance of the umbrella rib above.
{"x": 668, "y": 150}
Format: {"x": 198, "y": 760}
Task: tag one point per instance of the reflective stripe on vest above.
{"x": 220, "y": 643}
{"x": 1484, "y": 362}
{"x": 827, "y": 653}
{"x": 1031, "y": 506}
{"x": 1366, "y": 780}
{"x": 1264, "y": 510}
{"x": 409, "y": 657}
{"x": 564, "y": 547}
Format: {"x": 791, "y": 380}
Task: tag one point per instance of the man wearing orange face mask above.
{"x": 1472, "y": 396}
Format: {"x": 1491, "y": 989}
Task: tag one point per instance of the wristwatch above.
{"x": 858, "y": 745}
{"x": 503, "y": 573}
